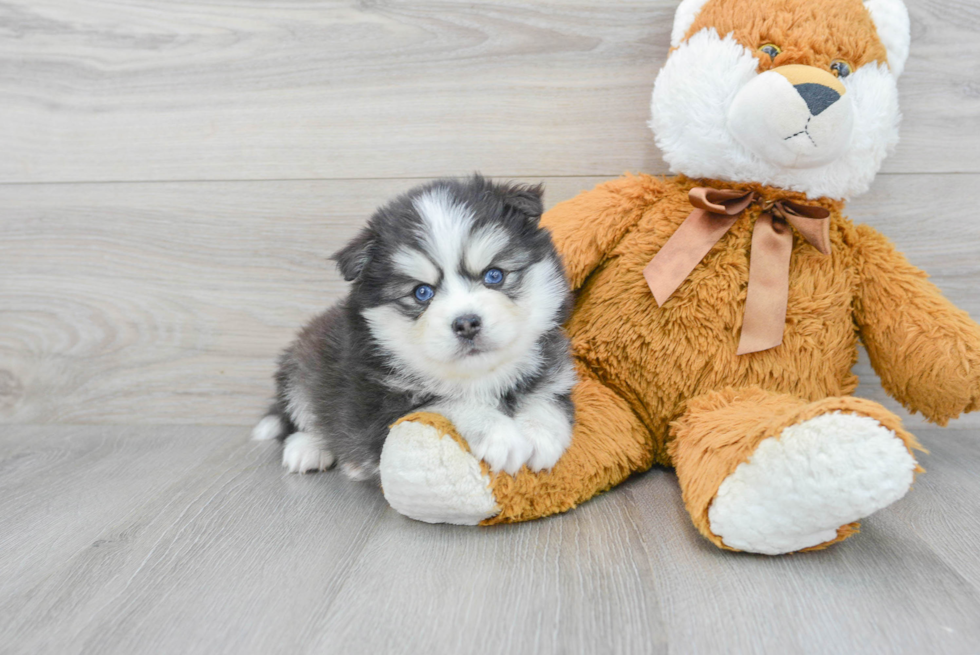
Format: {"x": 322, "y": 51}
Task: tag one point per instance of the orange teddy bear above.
{"x": 718, "y": 312}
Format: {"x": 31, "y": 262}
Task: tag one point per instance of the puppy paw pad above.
{"x": 304, "y": 452}
{"x": 549, "y": 442}
{"x": 504, "y": 448}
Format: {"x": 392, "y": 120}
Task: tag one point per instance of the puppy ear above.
{"x": 526, "y": 199}
{"x": 352, "y": 258}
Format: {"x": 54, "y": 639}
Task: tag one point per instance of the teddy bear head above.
{"x": 796, "y": 94}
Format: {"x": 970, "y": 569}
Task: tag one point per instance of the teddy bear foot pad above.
{"x": 426, "y": 475}
{"x": 799, "y": 488}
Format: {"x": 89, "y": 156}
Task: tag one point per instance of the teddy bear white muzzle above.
{"x": 793, "y": 116}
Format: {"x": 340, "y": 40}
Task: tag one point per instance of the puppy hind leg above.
{"x": 303, "y": 450}
{"x": 276, "y": 424}
{"x": 362, "y": 472}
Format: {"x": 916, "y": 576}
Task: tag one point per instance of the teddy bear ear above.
{"x": 684, "y": 17}
{"x": 891, "y": 19}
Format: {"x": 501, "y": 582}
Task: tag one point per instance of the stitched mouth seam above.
{"x": 805, "y": 131}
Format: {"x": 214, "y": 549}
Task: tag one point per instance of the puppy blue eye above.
{"x": 424, "y": 293}
{"x": 493, "y": 276}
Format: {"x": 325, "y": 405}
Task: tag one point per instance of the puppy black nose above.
{"x": 467, "y": 326}
{"x": 817, "y": 96}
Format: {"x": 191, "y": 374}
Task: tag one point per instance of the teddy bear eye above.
{"x": 840, "y": 68}
{"x": 770, "y": 49}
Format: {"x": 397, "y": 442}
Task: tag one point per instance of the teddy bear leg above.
{"x": 428, "y": 473}
{"x": 770, "y": 473}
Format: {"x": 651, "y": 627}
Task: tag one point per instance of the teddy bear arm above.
{"x": 587, "y": 227}
{"x": 429, "y": 473}
{"x": 925, "y": 349}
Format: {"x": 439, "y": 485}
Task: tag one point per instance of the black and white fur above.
{"x": 379, "y": 354}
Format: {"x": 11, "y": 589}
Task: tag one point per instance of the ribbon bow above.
{"x": 715, "y": 212}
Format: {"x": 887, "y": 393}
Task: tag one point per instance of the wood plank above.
{"x": 138, "y": 550}
{"x": 167, "y": 303}
{"x": 62, "y": 490}
{"x": 255, "y": 89}
{"x": 235, "y": 556}
{"x": 162, "y": 303}
{"x": 894, "y": 588}
{"x": 942, "y": 509}
{"x": 579, "y": 583}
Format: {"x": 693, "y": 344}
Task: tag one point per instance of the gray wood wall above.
{"x": 173, "y": 175}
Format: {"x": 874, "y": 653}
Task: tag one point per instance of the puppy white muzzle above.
{"x": 793, "y": 116}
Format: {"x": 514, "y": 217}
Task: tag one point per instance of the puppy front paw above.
{"x": 548, "y": 447}
{"x": 503, "y": 447}
{"x": 304, "y": 452}
{"x": 549, "y": 431}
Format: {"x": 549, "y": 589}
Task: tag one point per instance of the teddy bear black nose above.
{"x": 817, "y": 96}
{"x": 467, "y": 327}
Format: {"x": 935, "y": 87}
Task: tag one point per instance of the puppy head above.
{"x": 457, "y": 280}
{"x": 799, "y": 94}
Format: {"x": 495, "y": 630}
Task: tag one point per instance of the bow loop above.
{"x": 809, "y": 220}
{"x": 720, "y": 201}
{"x": 715, "y": 212}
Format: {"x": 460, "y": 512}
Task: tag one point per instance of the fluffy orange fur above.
{"x": 663, "y": 385}
{"x": 806, "y": 32}
{"x": 721, "y": 429}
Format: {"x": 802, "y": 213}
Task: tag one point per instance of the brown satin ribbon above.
{"x": 715, "y": 212}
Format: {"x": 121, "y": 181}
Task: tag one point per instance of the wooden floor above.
{"x": 172, "y": 179}
{"x": 194, "y": 540}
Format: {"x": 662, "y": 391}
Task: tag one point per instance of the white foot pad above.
{"x": 797, "y": 489}
{"x": 304, "y": 452}
{"x": 428, "y": 477}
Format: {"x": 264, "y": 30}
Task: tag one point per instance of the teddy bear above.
{"x": 718, "y": 311}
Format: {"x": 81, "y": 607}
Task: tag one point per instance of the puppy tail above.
{"x": 274, "y": 425}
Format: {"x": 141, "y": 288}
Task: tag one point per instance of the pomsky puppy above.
{"x": 456, "y": 307}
